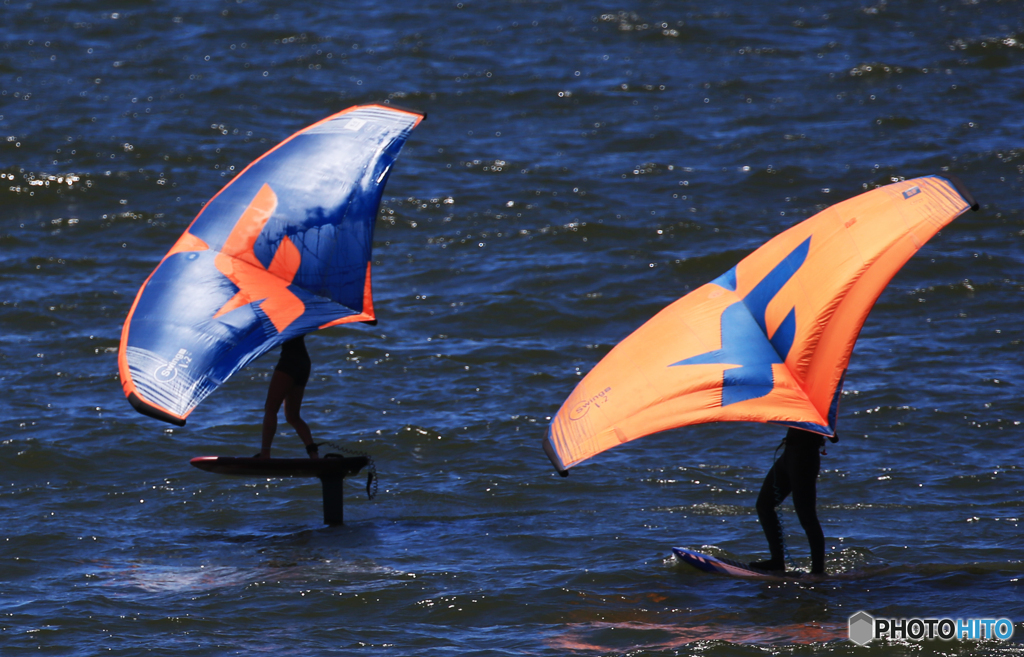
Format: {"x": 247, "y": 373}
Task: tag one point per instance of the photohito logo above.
{"x": 864, "y": 627}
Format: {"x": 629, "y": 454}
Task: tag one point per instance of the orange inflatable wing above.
{"x": 769, "y": 340}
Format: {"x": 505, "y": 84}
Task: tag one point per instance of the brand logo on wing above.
{"x": 170, "y": 370}
{"x": 913, "y": 191}
{"x": 747, "y": 353}
{"x": 582, "y": 408}
{"x": 265, "y": 286}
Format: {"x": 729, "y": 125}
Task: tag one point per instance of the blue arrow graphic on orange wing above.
{"x": 747, "y": 352}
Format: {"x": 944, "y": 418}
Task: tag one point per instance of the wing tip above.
{"x": 961, "y": 188}
{"x": 402, "y": 108}
{"x": 153, "y": 411}
{"x": 555, "y": 460}
{"x": 387, "y": 104}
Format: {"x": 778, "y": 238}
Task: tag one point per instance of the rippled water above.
{"x": 582, "y": 166}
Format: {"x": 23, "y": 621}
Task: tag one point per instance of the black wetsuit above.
{"x": 294, "y": 361}
{"x": 796, "y": 472}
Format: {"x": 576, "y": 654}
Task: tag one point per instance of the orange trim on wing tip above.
{"x": 394, "y": 108}
{"x": 187, "y": 242}
{"x": 132, "y": 393}
{"x": 128, "y": 385}
{"x": 154, "y": 411}
{"x": 367, "y": 315}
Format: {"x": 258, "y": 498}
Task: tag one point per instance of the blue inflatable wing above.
{"x": 282, "y": 250}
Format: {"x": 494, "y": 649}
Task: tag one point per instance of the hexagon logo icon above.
{"x": 862, "y": 628}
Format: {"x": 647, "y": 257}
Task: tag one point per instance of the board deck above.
{"x": 254, "y": 467}
{"x": 711, "y": 564}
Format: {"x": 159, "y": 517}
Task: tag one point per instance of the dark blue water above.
{"x": 582, "y": 166}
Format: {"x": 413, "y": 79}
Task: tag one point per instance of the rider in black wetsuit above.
{"x": 287, "y": 386}
{"x": 294, "y": 361}
{"x": 796, "y": 471}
